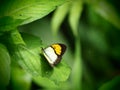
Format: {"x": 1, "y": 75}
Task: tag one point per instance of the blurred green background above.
{"x": 91, "y": 31}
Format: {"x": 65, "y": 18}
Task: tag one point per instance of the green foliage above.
{"x": 25, "y": 49}
{"x": 58, "y": 17}
{"x": 105, "y": 10}
{"x": 4, "y": 67}
{"x": 54, "y": 76}
{"x": 111, "y": 85}
{"x": 27, "y": 11}
{"x": 98, "y": 10}
{"x": 75, "y": 13}
{"x": 20, "y": 79}
{"x": 7, "y": 23}
{"x": 77, "y": 68}
{"x": 75, "y": 9}
{"x": 28, "y": 55}
{"x": 89, "y": 49}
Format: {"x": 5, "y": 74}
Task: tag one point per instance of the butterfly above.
{"x": 54, "y": 53}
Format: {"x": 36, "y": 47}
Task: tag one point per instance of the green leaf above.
{"x": 20, "y": 79}
{"x": 76, "y": 75}
{"x": 59, "y": 16}
{"x": 4, "y": 67}
{"x": 28, "y": 56}
{"x": 111, "y": 85}
{"x": 75, "y": 13}
{"x": 52, "y": 77}
{"x": 8, "y": 23}
{"x": 60, "y": 73}
{"x": 107, "y": 11}
{"x": 28, "y": 59}
{"x": 14, "y": 38}
{"x": 44, "y": 82}
{"x": 28, "y": 10}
